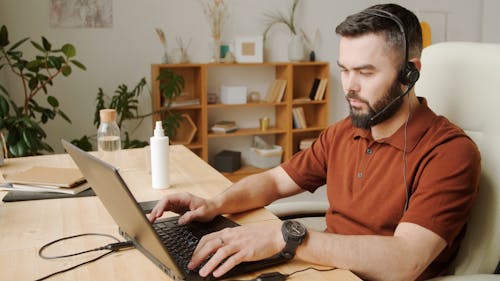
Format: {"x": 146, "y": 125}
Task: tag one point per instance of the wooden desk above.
{"x": 26, "y": 226}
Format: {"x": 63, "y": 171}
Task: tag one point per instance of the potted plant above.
{"x": 126, "y": 102}
{"x": 21, "y": 129}
{"x": 296, "y": 45}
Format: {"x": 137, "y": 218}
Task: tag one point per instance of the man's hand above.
{"x": 231, "y": 246}
{"x": 190, "y": 207}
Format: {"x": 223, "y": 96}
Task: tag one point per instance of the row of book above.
{"x": 306, "y": 143}
{"x": 299, "y": 118}
{"x": 276, "y": 90}
{"x": 318, "y": 89}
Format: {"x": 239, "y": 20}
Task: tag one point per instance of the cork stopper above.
{"x": 107, "y": 115}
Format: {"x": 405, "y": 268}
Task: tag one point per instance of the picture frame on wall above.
{"x": 249, "y": 49}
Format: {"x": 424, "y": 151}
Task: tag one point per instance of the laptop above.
{"x": 156, "y": 241}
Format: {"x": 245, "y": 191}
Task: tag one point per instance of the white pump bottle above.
{"x": 159, "y": 158}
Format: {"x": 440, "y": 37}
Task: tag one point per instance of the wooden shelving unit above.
{"x": 299, "y": 76}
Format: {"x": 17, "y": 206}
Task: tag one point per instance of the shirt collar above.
{"x": 419, "y": 122}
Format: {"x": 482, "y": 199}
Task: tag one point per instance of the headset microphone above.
{"x": 410, "y": 86}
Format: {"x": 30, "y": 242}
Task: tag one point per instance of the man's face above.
{"x": 369, "y": 78}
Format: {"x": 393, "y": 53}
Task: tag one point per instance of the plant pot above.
{"x": 296, "y": 50}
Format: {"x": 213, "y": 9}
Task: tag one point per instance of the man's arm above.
{"x": 403, "y": 256}
{"x": 252, "y": 192}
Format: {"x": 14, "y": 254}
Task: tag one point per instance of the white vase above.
{"x": 296, "y": 50}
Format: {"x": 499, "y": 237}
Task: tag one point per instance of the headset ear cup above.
{"x": 410, "y": 74}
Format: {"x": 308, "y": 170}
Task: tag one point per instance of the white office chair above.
{"x": 461, "y": 80}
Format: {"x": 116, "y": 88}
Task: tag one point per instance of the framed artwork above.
{"x": 249, "y": 49}
{"x": 81, "y": 13}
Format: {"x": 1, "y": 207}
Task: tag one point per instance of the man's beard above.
{"x": 363, "y": 120}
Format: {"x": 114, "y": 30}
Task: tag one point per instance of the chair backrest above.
{"x": 461, "y": 81}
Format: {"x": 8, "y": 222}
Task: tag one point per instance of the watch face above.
{"x": 295, "y": 228}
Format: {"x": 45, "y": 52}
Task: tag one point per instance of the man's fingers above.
{"x": 229, "y": 263}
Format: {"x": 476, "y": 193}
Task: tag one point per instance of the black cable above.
{"x": 111, "y": 248}
{"x": 277, "y": 276}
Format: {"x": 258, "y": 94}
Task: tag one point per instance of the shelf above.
{"x": 202, "y": 78}
{"x": 251, "y": 104}
{"x": 247, "y": 132}
{"x": 308, "y": 129}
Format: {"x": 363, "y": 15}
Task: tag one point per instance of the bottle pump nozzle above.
{"x": 159, "y": 130}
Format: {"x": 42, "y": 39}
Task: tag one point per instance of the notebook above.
{"x": 133, "y": 224}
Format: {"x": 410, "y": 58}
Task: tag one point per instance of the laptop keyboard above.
{"x": 179, "y": 241}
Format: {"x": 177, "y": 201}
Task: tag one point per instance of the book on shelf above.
{"x": 276, "y": 90}
{"x": 314, "y": 88}
{"x": 299, "y": 119}
{"x": 320, "y": 92}
{"x": 224, "y": 127}
{"x": 180, "y": 103}
{"x": 306, "y": 143}
{"x": 318, "y": 89}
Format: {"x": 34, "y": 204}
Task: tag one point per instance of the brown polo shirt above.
{"x": 365, "y": 183}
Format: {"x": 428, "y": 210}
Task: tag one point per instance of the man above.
{"x": 400, "y": 180}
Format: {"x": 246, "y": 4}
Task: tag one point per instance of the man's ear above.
{"x": 417, "y": 62}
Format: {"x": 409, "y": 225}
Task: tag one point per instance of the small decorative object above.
{"x": 212, "y": 98}
{"x": 216, "y": 13}
{"x": 163, "y": 41}
{"x": 228, "y": 161}
{"x": 186, "y": 131}
{"x": 229, "y": 58}
{"x": 224, "y": 49}
{"x": 296, "y": 45}
{"x": 249, "y": 49}
{"x": 264, "y": 123}
{"x": 233, "y": 94}
{"x": 253, "y": 96}
{"x": 181, "y": 55}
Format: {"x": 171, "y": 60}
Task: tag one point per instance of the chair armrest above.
{"x": 289, "y": 210}
{"x": 475, "y": 277}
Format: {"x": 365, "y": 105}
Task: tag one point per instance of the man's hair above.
{"x": 362, "y": 23}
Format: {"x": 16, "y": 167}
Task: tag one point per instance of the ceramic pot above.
{"x": 296, "y": 50}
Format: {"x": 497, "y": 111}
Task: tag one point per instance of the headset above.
{"x": 408, "y": 75}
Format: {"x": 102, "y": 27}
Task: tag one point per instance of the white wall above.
{"x": 123, "y": 53}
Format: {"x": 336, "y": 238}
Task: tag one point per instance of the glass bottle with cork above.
{"x": 108, "y": 137}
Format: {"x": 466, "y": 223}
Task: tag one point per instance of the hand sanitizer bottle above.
{"x": 159, "y": 158}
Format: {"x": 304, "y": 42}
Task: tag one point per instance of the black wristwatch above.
{"x": 294, "y": 234}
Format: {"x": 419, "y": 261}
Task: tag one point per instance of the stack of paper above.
{"x": 52, "y": 179}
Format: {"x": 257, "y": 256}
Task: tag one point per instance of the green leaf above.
{"x": 79, "y": 64}
{"x": 46, "y": 44}
{"x": 4, "y": 90}
{"x": 64, "y": 116}
{"x": 4, "y": 36}
{"x": 33, "y": 65}
{"x": 36, "y": 45}
{"x": 13, "y": 47}
{"x": 19, "y": 149}
{"x": 68, "y": 50}
{"x": 53, "y": 101}
{"x": 33, "y": 83}
{"x": 66, "y": 70}
{"x": 56, "y": 62}
{"x": 4, "y": 107}
{"x": 30, "y": 140}
{"x": 83, "y": 143}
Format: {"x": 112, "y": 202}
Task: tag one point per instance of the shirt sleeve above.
{"x": 308, "y": 168}
{"x": 445, "y": 188}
